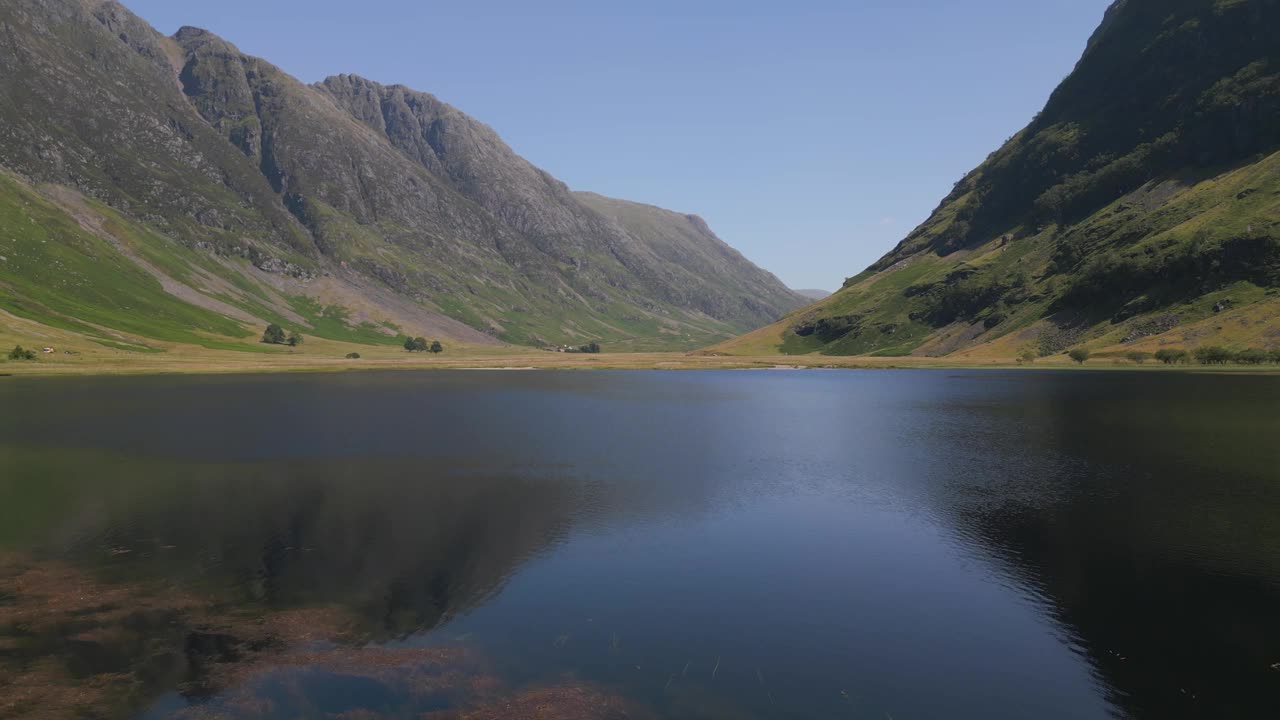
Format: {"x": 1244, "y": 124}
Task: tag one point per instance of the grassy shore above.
{"x": 201, "y": 361}
{"x": 76, "y": 355}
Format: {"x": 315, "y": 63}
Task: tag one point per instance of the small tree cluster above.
{"x": 1172, "y": 357}
{"x": 353, "y": 356}
{"x": 422, "y": 345}
{"x": 591, "y": 348}
{"x": 1214, "y": 355}
{"x": 1138, "y": 358}
{"x": 20, "y": 353}
{"x": 275, "y": 335}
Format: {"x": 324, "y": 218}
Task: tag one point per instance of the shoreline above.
{"x": 668, "y": 362}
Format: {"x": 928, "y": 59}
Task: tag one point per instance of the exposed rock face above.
{"x": 224, "y": 152}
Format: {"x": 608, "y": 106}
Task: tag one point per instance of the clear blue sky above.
{"x": 812, "y": 135}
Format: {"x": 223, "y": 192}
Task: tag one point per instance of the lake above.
{"x": 752, "y": 544}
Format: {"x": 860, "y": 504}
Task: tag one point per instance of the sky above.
{"x": 812, "y": 135}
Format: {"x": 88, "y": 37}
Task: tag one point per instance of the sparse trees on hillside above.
{"x": 416, "y": 344}
{"x": 20, "y": 353}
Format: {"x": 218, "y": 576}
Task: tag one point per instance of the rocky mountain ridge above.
{"x": 304, "y": 203}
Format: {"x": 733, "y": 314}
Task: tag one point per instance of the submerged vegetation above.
{"x": 76, "y": 644}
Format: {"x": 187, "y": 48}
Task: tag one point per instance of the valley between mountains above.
{"x": 163, "y": 199}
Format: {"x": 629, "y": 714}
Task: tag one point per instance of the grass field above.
{"x": 76, "y": 354}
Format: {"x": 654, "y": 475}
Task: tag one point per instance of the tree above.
{"x": 1080, "y": 355}
{"x": 353, "y": 356}
{"x": 1171, "y": 357}
{"x": 1138, "y": 358}
{"x": 274, "y": 335}
{"x": 1252, "y": 356}
{"x": 415, "y": 344}
{"x": 591, "y": 348}
{"x": 436, "y": 347}
{"x": 294, "y": 339}
{"x": 18, "y": 353}
{"x": 1213, "y": 355}
{"x": 1029, "y": 355}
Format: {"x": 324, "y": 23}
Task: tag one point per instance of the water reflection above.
{"x": 138, "y": 575}
{"x": 704, "y": 545}
{"x": 1145, "y": 511}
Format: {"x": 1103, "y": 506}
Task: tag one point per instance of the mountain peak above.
{"x": 192, "y": 38}
{"x": 190, "y": 32}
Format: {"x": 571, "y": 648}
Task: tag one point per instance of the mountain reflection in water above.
{"x": 705, "y": 545}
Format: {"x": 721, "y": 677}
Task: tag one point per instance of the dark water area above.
{"x": 807, "y": 544}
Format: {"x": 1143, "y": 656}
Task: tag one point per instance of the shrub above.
{"x": 1213, "y": 355}
{"x": 1139, "y": 358}
{"x": 274, "y": 335}
{"x": 1029, "y": 355}
{"x": 1080, "y": 355}
{"x": 1275, "y": 356}
{"x": 294, "y": 339}
{"x": 19, "y": 353}
{"x": 436, "y": 347}
{"x": 1172, "y": 357}
{"x": 1253, "y": 356}
{"x": 353, "y": 356}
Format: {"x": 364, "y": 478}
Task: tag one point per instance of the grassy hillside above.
{"x": 221, "y": 194}
{"x": 1141, "y": 208}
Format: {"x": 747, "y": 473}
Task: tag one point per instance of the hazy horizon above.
{"x": 812, "y": 138}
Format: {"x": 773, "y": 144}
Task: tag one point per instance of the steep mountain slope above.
{"x": 1140, "y": 208}
{"x": 346, "y": 209}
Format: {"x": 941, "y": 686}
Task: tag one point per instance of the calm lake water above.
{"x": 808, "y": 544}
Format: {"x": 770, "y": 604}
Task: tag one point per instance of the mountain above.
{"x": 176, "y": 189}
{"x": 815, "y": 294}
{"x": 1139, "y": 209}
